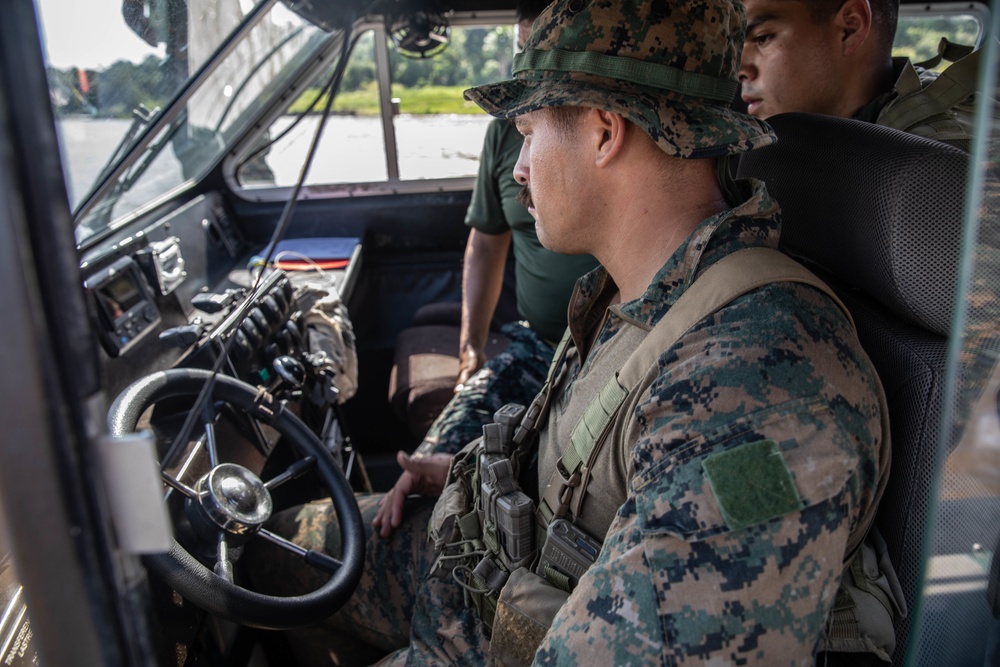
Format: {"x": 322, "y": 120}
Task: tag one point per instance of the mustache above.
{"x": 524, "y": 198}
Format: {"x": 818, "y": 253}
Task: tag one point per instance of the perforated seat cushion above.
{"x": 425, "y": 370}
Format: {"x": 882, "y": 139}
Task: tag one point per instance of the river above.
{"x": 352, "y": 150}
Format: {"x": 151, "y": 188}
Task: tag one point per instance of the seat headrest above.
{"x": 877, "y": 208}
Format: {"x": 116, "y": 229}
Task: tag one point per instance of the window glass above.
{"x": 438, "y": 134}
{"x": 957, "y": 616}
{"x": 112, "y": 66}
{"x": 215, "y": 115}
{"x": 352, "y": 147}
{"x": 918, "y": 35}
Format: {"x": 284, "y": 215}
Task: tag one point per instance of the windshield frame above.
{"x": 392, "y": 185}
{"x": 145, "y": 137}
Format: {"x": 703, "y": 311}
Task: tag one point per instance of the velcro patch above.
{"x": 751, "y": 484}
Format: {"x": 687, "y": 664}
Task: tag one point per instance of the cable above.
{"x": 283, "y": 222}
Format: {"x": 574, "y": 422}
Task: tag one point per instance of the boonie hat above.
{"x": 669, "y": 66}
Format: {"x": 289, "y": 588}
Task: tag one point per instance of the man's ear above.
{"x": 608, "y": 130}
{"x": 854, "y": 24}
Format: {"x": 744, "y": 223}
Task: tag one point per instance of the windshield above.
{"x": 112, "y": 84}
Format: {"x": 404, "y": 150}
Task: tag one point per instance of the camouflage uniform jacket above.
{"x": 954, "y": 126}
{"x": 736, "y": 480}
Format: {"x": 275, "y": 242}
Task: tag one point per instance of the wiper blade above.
{"x": 141, "y": 116}
{"x": 127, "y": 179}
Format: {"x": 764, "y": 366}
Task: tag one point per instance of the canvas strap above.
{"x": 721, "y": 283}
{"x": 952, "y": 87}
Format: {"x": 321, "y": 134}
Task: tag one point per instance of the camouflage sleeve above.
{"x": 750, "y": 471}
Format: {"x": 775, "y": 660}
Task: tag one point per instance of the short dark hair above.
{"x": 885, "y": 13}
{"x": 566, "y": 117}
{"x": 530, "y": 9}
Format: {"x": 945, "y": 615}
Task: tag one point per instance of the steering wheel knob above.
{"x": 239, "y": 493}
{"x": 234, "y": 499}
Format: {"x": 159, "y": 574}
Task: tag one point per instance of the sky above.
{"x": 88, "y": 33}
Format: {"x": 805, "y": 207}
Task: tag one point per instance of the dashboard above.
{"x": 180, "y": 293}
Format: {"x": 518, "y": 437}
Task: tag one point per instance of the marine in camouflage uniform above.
{"x": 753, "y": 458}
{"x": 697, "y": 564}
{"x": 794, "y": 67}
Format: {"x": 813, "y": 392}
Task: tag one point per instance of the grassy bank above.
{"x": 424, "y": 100}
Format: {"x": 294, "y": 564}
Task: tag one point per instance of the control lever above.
{"x": 183, "y": 336}
{"x": 210, "y": 303}
{"x": 290, "y": 370}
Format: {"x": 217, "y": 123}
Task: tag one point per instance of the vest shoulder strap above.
{"x": 729, "y": 278}
{"x": 952, "y": 87}
{"x": 947, "y": 51}
{"x": 721, "y": 283}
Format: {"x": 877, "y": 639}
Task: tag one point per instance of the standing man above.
{"x": 544, "y": 282}
{"x": 544, "y": 279}
{"x": 729, "y": 483}
{"x": 834, "y": 57}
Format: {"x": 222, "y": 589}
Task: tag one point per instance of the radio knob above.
{"x": 242, "y": 349}
{"x": 252, "y": 332}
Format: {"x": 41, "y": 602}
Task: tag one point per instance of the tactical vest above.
{"x": 942, "y": 108}
{"x": 486, "y": 534}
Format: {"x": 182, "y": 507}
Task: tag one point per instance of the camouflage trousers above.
{"x": 399, "y": 613}
{"x": 513, "y": 376}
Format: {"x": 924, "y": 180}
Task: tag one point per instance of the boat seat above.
{"x": 878, "y": 214}
{"x": 425, "y": 366}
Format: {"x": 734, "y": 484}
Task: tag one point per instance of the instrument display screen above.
{"x": 119, "y": 294}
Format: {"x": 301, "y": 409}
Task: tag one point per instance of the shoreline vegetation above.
{"x": 424, "y": 100}
{"x": 416, "y": 101}
{"x": 432, "y": 86}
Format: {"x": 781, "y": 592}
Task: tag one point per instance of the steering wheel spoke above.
{"x": 229, "y": 505}
{"x": 223, "y": 566}
{"x": 317, "y": 559}
{"x": 178, "y": 485}
{"x": 294, "y": 471}
{"x": 210, "y": 447}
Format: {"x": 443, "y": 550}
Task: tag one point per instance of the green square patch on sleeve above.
{"x": 751, "y": 484}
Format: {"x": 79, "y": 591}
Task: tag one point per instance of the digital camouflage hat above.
{"x": 669, "y": 66}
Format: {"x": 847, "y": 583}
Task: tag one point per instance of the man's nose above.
{"x": 747, "y": 70}
{"x": 521, "y": 167}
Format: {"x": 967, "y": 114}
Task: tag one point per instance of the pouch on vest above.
{"x": 483, "y": 526}
{"x": 868, "y": 598}
{"x": 525, "y": 609}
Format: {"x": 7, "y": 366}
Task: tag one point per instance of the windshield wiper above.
{"x": 127, "y": 179}
{"x": 141, "y": 116}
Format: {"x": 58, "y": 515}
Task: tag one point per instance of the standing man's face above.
{"x": 790, "y": 61}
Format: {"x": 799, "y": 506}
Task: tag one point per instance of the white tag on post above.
{"x": 135, "y": 492}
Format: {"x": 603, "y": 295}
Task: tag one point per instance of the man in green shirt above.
{"x": 544, "y": 282}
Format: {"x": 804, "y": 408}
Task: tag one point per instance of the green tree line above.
{"x": 473, "y": 57}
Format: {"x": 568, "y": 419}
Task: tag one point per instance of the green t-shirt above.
{"x": 544, "y": 279}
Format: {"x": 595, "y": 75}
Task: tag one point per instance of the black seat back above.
{"x": 878, "y": 214}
